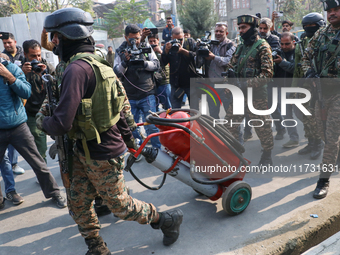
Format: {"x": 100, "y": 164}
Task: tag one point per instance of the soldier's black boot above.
{"x": 169, "y": 223}
{"x": 266, "y": 159}
{"x": 308, "y": 149}
{"x": 100, "y": 208}
{"x": 321, "y": 189}
{"x": 316, "y": 149}
{"x": 97, "y": 246}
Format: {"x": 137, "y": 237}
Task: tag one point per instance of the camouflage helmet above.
{"x": 249, "y": 19}
{"x": 329, "y": 4}
{"x": 73, "y": 23}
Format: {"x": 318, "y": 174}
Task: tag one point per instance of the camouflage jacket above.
{"x": 257, "y": 69}
{"x": 298, "y": 72}
{"x": 320, "y": 50}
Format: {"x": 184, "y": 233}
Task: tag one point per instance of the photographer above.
{"x": 137, "y": 76}
{"x": 167, "y": 31}
{"x": 219, "y": 57}
{"x": 33, "y": 66}
{"x": 14, "y": 131}
{"x": 284, "y": 69}
{"x": 164, "y": 89}
{"x": 182, "y": 68}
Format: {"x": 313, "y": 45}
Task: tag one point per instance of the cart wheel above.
{"x": 236, "y": 198}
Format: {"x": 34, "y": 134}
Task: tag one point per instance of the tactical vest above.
{"x": 244, "y": 71}
{"x": 246, "y": 52}
{"x": 327, "y": 65}
{"x": 100, "y": 112}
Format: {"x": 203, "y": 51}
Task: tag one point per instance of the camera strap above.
{"x": 255, "y": 45}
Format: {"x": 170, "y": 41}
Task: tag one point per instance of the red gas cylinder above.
{"x": 178, "y": 143}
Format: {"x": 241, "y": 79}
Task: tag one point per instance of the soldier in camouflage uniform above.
{"x": 253, "y": 61}
{"x": 322, "y": 58}
{"x": 311, "y": 23}
{"x": 101, "y": 133}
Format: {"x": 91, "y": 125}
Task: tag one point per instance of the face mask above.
{"x": 250, "y": 36}
{"x": 55, "y": 50}
{"x": 310, "y": 31}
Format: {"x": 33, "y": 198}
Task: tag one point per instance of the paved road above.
{"x": 277, "y": 218}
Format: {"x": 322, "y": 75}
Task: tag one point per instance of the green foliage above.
{"x": 197, "y": 16}
{"x": 294, "y": 10}
{"x": 125, "y": 13}
{"x": 13, "y": 6}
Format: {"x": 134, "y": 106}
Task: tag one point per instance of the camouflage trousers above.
{"x": 104, "y": 178}
{"x": 264, "y": 123}
{"x": 331, "y": 150}
{"x": 309, "y": 123}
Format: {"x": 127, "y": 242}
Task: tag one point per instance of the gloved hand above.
{"x": 131, "y": 123}
{"x": 39, "y": 119}
{"x": 53, "y": 151}
{"x": 310, "y": 73}
{"x": 131, "y": 144}
{"x": 124, "y": 56}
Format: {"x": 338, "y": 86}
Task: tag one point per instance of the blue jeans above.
{"x": 144, "y": 105}
{"x": 177, "y": 102}
{"x": 7, "y": 174}
{"x": 214, "y": 110}
{"x": 163, "y": 96}
{"x": 12, "y": 155}
{"x": 277, "y": 114}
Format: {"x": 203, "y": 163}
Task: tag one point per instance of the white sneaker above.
{"x": 17, "y": 169}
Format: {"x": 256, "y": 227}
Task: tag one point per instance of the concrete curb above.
{"x": 293, "y": 238}
{"x": 331, "y": 244}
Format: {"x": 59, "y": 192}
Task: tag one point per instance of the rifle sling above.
{"x": 255, "y": 45}
{"x": 330, "y": 61}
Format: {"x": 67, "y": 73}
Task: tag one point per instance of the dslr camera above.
{"x": 35, "y": 67}
{"x": 137, "y": 54}
{"x": 175, "y": 45}
{"x": 205, "y": 44}
{"x": 277, "y": 52}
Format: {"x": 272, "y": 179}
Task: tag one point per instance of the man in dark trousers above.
{"x": 98, "y": 160}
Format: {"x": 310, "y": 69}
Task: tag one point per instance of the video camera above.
{"x": 205, "y": 44}
{"x": 277, "y": 52}
{"x": 136, "y": 58}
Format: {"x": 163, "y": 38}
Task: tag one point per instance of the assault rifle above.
{"x": 317, "y": 94}
{"x": 63, "y": 143}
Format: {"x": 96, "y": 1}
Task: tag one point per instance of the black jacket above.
{"x": 18, "y": 56}
{"x": 182, "y": 68}
{"x": 273, "y": 41}
{"x": 138, "y": 83}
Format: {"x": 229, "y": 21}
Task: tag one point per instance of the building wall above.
{"x": 239, "y": 7}
{"x": 154, "y": 7}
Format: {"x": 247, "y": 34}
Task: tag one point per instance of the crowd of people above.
{"x": 102, "y": 100}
